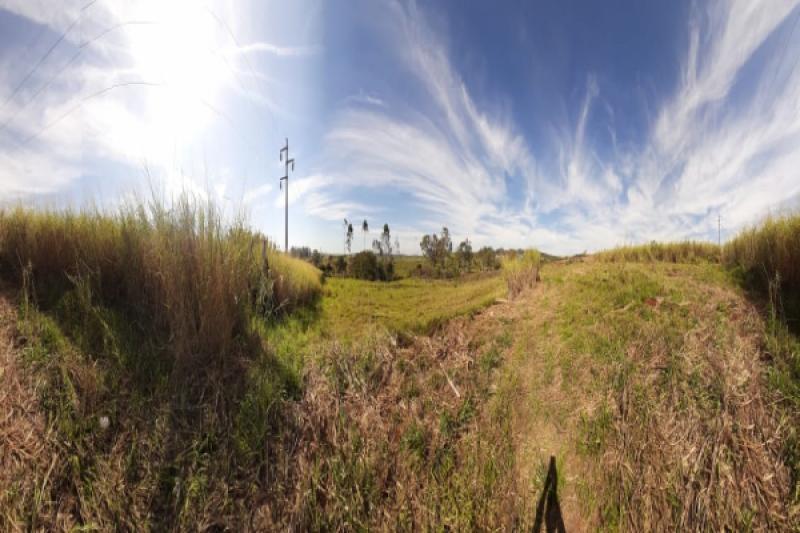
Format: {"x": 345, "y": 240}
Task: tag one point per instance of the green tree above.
{"x": 464, "y": 254}
{"x": 364, "y": 265}
{"x": 341, "y": 265}
{"x": 437, "y": 248}
{"x": 364, "y": 230}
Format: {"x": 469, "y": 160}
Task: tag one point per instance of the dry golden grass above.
{"x": 769, "y": 249}
{"x": 178, "y": 270}
{"x": 521, "y": 271}
{"x": 670, "y": 252}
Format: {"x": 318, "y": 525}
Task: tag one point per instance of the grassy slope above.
{"x": 410, "y": 305}
{"x": 645, "y": 382}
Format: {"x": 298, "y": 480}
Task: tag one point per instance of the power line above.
{"x": 47, "y": 54}
{"x": 228, "y": 29}
{"x": 81, "y": 48}
{"x": 84, "y": 100}
{"x": 238, "y": 44}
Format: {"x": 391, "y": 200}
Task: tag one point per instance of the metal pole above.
{"x": 286, "y": 214}
{"x": 285, "y": 150}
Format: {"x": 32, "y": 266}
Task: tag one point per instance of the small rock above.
{"x": 104, "y": 422}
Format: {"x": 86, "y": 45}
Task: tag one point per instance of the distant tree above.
{"x": 349, "y": 238}
{"x": 464, "y": 254}
{"x": 364, "y": 230}
{"x": 396, "y": 245}
{"x": 341, "y": 265}
{"x": 437, "y": 248}
{"x": 346, "y": 225}
{"x": 303, "y": 252}
{"x": 316, "y": 258}
{"x": 364, "y": 265}
{"x": 386, "y": 242}
{"x": 487, "y": 258}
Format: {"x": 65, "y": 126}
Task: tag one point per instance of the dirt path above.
{"x": 545, "y": 416}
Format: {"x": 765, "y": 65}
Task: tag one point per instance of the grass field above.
{"x": 351, "y": 307}
{"x": 662, "y": 383}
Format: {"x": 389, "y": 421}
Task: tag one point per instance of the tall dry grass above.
{"x": 671, "y": 252}
{"x": 521, "y": 271}
{"x": 178, "y": 270}
{"x": 769, "y": 250}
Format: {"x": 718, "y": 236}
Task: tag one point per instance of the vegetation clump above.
{"x": 178, "y": 272}
{"x": 521, "y": 271}
{"x": 768, "y": 251}
{"x": 365, "y": 265}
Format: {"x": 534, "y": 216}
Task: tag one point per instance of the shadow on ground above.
{"x": 548, "y": 510}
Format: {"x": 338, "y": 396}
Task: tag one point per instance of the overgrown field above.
{"x": 161, "y": 370}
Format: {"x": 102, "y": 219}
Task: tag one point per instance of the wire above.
{"x": 83, "y": 101}
{"x": 81, "y": 48}
{"x": 238, "y": 44}
{"x": 47, "y": 54}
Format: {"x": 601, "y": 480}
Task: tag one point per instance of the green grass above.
{"x": 405, "y": 266}
{"x": 350, "y": 307}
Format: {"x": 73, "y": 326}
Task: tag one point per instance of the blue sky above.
{"x": 568, "y": 126}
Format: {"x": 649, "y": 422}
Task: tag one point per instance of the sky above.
{"x": 567, "y": 126}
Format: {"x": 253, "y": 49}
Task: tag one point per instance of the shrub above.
{"x": 364, "y": 265}
{"x": 521, "y": 271}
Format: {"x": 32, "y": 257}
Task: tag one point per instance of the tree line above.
{"x": 444, "y": 259}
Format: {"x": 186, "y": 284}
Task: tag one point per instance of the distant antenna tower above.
{"x": 287, "y": 162}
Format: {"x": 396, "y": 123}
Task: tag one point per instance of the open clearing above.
{"x": 648, "y": 385}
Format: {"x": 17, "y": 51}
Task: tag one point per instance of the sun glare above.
{"x": 182, "y": 51}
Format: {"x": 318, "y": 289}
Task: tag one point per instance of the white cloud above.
{"x": 704, "y": 153}
{"x": 280, "y": 51}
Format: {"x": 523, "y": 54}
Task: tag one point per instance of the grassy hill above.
{"x": 163, "y": 370}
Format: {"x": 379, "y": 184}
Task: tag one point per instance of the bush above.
{"x": 365, "y": 265}
{"x": 521, "y": 271}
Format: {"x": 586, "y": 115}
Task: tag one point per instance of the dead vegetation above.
{"x": 406, "y": 438}
{"x": 27, "y": 448}
{"x": 696, "y": 440}
{"x": 673, "y": 398}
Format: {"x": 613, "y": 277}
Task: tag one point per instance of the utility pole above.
{"x": 287, "y": 162}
